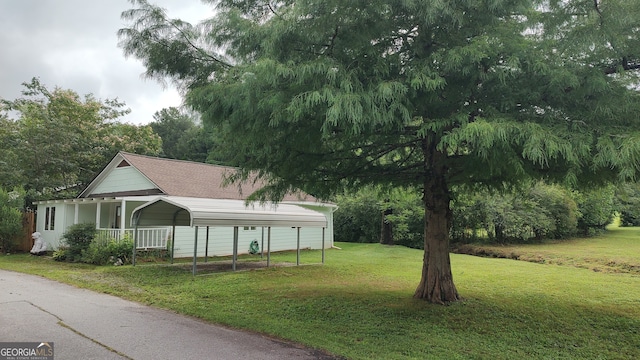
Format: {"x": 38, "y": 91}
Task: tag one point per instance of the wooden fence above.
{"x": 24, "y": 242}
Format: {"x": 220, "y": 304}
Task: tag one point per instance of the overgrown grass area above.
{"x": 359, "y": 304}
{"x": 617, "y": 250}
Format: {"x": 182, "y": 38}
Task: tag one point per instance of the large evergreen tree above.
{"x": 322, "y": 94}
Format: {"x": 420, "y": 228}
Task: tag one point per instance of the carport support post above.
{"x": 206, "y": 246}
{"x": 323, "y": 245}
{"x": 173, "y": 239}
{"x": 298, "y": 246}
{"x": 195, "y": 253}
{"x": 235, "y": 247}
{"x": 268, "y": 246}
{"x": 262, "y": 244}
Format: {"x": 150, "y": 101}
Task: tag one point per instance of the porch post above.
{"x": 298, "y": 248}
{"x": 195, "y": 253}
{"x": 135, "y": 243}
{"x": 75, "y": 214}
{"x": 123, "y": 222}
{"x": 135, "y": 237}
{"x": 98, "y": 208}
{"x": 235, "y": 247}
{"x": 268, "y": 246}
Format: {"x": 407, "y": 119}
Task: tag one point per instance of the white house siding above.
{"x": 328, "y": 213}
{"x": 221, "y": 240}
{"x": 123, "y": 179}
{"x": 52, "y": 237}
{"x": 87, "y": 213}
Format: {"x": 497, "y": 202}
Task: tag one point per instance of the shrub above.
{"x": 103, "y": 251}
{"x": 358, "y": 217}
{"x": 559, "y": 205}
{"x": 60, "y": 254}
{"x": 11, "y": 204}
{"x": 77, "y": 239}
{"x": 540, "y": 211}
{"x": 596, "y": 207}
{"x": 627, "y": 203}
{"x": 407, "y": 218}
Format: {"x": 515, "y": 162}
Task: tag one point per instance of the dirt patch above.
{"x": 227, "y": 265}
{"x": 595, "y": 264}
{"x": 467, "y": 249}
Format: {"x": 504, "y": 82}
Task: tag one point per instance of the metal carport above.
{"x": 195, "y": 212}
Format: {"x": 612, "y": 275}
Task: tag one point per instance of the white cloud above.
{"x": 72, "y": 44}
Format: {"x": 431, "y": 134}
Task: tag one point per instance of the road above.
{"x": 84, "y": 324}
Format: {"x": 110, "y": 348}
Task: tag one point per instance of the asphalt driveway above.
{"x": 86, "y": 325}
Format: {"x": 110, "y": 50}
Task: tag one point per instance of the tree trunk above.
{"x": 386, "y": 228}
{"x": 436, "y": 284}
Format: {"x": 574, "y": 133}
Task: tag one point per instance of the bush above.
{"x": 77, "y": 239}
{"x": 627, "y": 203}
{"x": 407, "y": 218}
{"x": 541, "y": 211}
{"x": 558, "y": 204}
{"x": 11, "y": 205}
{"x": 101, "y": 252}
{"x": 60, "y": 254}
{"x": 596, "y": 207}
{"x": 358, "y": 217}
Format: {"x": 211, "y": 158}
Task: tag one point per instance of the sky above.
{"x": 72, "y": 44}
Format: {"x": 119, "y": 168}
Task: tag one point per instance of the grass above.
{"x": 359, "y": 305}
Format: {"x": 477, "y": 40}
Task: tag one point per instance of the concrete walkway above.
{"x": 86, "y": 325}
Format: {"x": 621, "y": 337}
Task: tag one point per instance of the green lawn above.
{"x": 618, "y": 250}
{"x": 358, "y": 305}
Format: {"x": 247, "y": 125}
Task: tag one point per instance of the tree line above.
{"x": 531, "y": 213}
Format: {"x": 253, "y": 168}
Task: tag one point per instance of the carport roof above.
{"x": 188, "y": 211}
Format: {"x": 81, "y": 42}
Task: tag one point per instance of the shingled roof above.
{"x": 191, "y": 179}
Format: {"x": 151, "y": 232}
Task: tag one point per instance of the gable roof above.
{"x": 182, "y": 178}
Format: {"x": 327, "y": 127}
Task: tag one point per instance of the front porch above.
{"x": 147, "y": 238}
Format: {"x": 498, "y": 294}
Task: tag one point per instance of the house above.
{"x": 135, "y": 195}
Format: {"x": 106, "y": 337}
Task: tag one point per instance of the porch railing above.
{"x": 148, "y": 238}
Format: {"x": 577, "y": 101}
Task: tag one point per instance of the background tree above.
{"x": 171, "y": 125}
{"x": 183, "y": 137}
{"x": 55, "y": 141}
{"x": 358, "y": 217}
{"x": 531, "y": 212}
{"x": 627, "y": 204}
{"x": 360, "y": 214}
{"x": 323, "y": 95}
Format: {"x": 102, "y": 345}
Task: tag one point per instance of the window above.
{"x": 50, "y": 218}
{"x": 249, "y": 228}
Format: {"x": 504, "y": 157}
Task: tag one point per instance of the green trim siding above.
{"x": 123, "y": 179}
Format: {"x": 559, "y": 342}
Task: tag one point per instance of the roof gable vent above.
{"x": 123, "y": 163}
